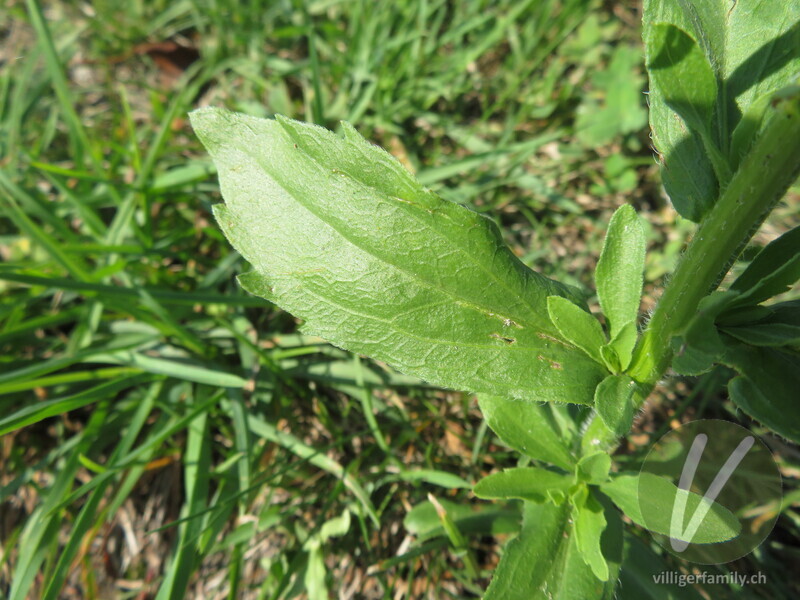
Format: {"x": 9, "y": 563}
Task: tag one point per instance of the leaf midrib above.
{"x": 402, "y": 205}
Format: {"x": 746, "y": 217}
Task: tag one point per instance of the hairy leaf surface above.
{"x": 528, "y": 429}
{"x": 620, "y": 270}
{"x": 753, "y": 49}
{"x": 343, "y": 237}
{"x": 612, "y": 401}
{"x": 648, "y": 500}
{"x": 543, "y": 562}
{"x": 589, "y": 522}
{"x": 525, "y": 483}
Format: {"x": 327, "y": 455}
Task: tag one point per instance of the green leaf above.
{"x": 620, "y": 269}
{"x": 527, "y": 428}
{"x": 524, "y": 483}
{"x": 686, "y": 82}
{"x": 767, "y": 388}
{"x": 745, "y": 133}
{"x": 543, "y": 562}
{"x": 577, "y": 326}
{"x": 590, "y": 521}
{"x": 641, "y": 569}
{"x": 781, "y": 313}
{"x": 767, "y": 334}
{"x": 594, "y": 468}
{"x": 343, "y": 237}
{"x": 624, "y": 342}
{"x": 688, "y": 360}
{"x": 648, "y": 501}
{"x": 610, "y": 358}
{"x": 435, "y": 477}
{"x": 700, "y": 346}
{"x": 773, "y": 271}
{"x": 745, "y": 315}
{"x": 612, "y": 401}
{"x": 335, "y": 527}
{"x": 681, "y": 71}
{"x": 423, "y": 520}
{"x": 458, "y": 542}
{"x": 746, "y": 67}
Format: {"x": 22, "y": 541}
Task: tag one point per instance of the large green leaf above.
{"x": 527, "y": 428}
{"x": 648, "y": 501}
{"x": 681, "y": 71}
{"x": 683, "y": 76}
{"x": 343, "y": 237}
{"x": 753, "y": 49}
{"x": 543, "y": 561}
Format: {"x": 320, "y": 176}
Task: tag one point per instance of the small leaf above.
{"x": 577, "y": 326}
{"x": 610, "y": 358}
{"x": 688, "y": 360}
{"x": 767, "y": 334}
{"x": 767, "y": 389}
{"x": 590, "y": 522}
{"x": 314, "y": 574}
{"x": 335, "y": 527}
{"x": 624, "y": 342}
{"x": 423, "y": 521}
{"x": 612, "y": 401}
{"x": 525, "y": 483}
{"x": 594, "y": 468}
{"x": 775, "y": 325}
{"x": 526, "y": 428}
{"x": 648, "y": 500}
{"x": 773, "y": 271}
{"x": 700, "y": 346}
{"x": 745, "y": 315}
{"x": 435, "y": 477}
{"x": 620, "y": 269}
{"x": 453, "y": 533}
{"x": 343, "y": 237}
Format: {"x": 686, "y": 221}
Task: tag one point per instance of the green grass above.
{"x": 164, "y": 435}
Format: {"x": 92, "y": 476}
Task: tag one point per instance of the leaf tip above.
{"x": 206, "y": 123}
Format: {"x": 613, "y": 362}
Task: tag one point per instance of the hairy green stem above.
{"x": 761, "y": 180}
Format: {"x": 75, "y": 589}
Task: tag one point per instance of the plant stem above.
{"x": 759, "y": 183}
{"x": 757, "y": 186}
